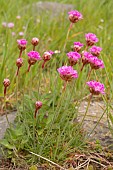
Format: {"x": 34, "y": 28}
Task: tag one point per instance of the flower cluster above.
{"x": 73, "y": 57}
{"x": 96, "y": 87}
{"x": 67, "y": 73}
{"x": 91, "y": 39}
{"x": 78, "y": 46}
{"x": 75, "y": 16}
{"x": 96, "y": 63}
{"x": 95, "y": 50}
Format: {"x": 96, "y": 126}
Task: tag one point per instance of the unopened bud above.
{"x": 35, "y": 41}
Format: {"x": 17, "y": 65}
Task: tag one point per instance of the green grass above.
{"x": 46, "y": 85}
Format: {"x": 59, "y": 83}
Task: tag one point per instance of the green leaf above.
{"x": 5, "y": 143}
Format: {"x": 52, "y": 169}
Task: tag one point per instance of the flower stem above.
{"x": 90, "y": 97}
{"x": 67, "y": 36}
{"x": 5, "y": 106}
{"x": 33, "y": 47}
{"x": 20, "y": 53}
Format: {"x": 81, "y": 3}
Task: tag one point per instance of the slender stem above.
{"x": 95, "y": 75}
{"x": 43, "y": 64}
{"x": 33, "y": 47}
{"x": 97, "y": 123}
{"x": 5, "y": 106}
{"x": 65, "y": 84}
{"x": 17, "y": 96}
{"x": 67, "y": 36}
{"x": 89, "y": 74}
{"x": 17, "y": 71}
{"x": 90, "y": 97}
{"x": 82, "y": 67}
{"x": 29, "y": 68}
{"x": 20, "y": 53}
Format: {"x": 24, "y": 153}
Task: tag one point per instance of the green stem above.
{"x": 81, "y": 124}
{"x": 6, "y": 110}
{"x": 67, "y": 36}
{"x": 97, "y": 123}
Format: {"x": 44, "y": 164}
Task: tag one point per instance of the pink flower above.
{"x": 96, "y": 87}
{"x": 22, "y": 44}
{"x": 78, "y": 46}
{"x": 6, "y": 83}
{"x": 67, "y": 73}
{"x": 10, "y": 25}
{"x": 73, "y": 57}
{"x": 38, "y": 105}
{"x": 75, "y": 16}
{"x": 33, "y": 57}
{"x": 18, "y": 17}
{"x": 4, "y": 24}
{"x": 95, "y": 50}
{"x": 91, "y": 39}
{"x": 86, "y": 57}
{"x": 46, "y": 57}
{"x": 21, "y": 33}
{"x": 96, "y": 63}
{"x": 13, "y": 33}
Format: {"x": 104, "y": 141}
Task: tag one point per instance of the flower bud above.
{"x": 19, "y": 62}
{"x": 38, "y": 105}
{"x": 35, "y": 41}
{"x": 6, "y": 82}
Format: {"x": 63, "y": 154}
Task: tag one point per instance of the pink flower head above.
{"x": 86, "y": 57}
{"x": 78, "y": 46}
{"x": 91, "y": 39}
{"x": 22, "y": 44}
{"x": 73, "y": 57}
{"x": 38, "y": 105}
{"x": 96, "y": 63}
{"x": 13, "y": 33}
{"x": 47, "y": 55}
{"x": 95, "y": 50}
{"x": 18, "y": 17}
{"x": 67, "y": 73}
{"x": 10, "y": 25}
{"x": 75, "y": 16}
{"x": 21, "y": 33}
{"x": 96, "y": 87}
{"x": 19, "y": 62}
{"x": 4, "y": 24}
{"x": 34, "y": 55}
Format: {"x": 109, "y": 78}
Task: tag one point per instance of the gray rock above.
{"x": 54, "y": 8}
{"x": 4, "y": 124}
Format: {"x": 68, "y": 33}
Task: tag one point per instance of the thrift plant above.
{"x": 46, "y": 123}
